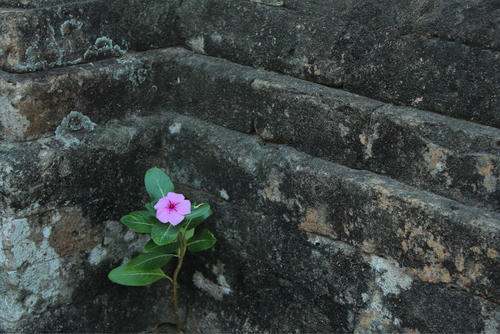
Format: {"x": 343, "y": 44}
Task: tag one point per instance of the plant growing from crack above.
{"x": 173, "y": 224}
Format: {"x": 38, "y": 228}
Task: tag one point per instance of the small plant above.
{"x": 172, "y": 222}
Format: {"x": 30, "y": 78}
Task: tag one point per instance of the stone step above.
{"x": 59, "y": 234}
{"x": 442, "y": 240}
{"x": 34, "y": 104}
{"x": 439, "y": 240}
{"x": 454, "y": 158}
{"x": 66, "y": 33}
{"x": 356, "y": 250}
{"x": 339, "y": 288}
{"x": 399, "y": 56}
{"x": 32, "y": 3}
{"x": 457, "y": 159}
{"x": 437, "y": 57}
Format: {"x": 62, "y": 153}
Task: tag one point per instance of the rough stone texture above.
{"x": 292, "y": 276}
{"x": 371, "y": 294}
{"x": 81, "y": 32}
{"x": 59, "y": 237}
{"x": 32, "y": 105}
{"x": 460, "y": 161}
{"x": 441, "y": 56}
{"x": 387, "y": 50}
{"x": 32, "y": 3}
{"x": 347, "y": 250}
{"x": 454, "y": 158}
{"x": 333, "y": 212}
{"x": 440, "y": 240}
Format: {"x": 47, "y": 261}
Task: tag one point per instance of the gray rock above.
{"x": 62, "y": 33}
{"x": 32, "y": 3}
{"x": 347, "y": 250}
{"x": 439, "y": 240}
{"x": 437, "y": 56}
{"x": 454, "y": 158}
{"x": 33, "y": 105}
{"x": 333, "y": 212}
{"x": 460, "y": 161}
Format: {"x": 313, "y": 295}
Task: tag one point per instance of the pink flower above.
{"x": 172, "y": 208}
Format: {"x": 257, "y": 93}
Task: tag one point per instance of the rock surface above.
{"x": 460, "y": 161}
{"x": 32, "y": 3}
{"x": 335, "y": 210}
{"x": 441, "y": 56}
{"x": 299, "y": 218}
{"x": 71, "y": 33}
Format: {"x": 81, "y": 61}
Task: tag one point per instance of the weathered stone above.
{"x": 32, "y": 3}
{"x": 435, "y": 55}
{"x": 460, "y": 161}
{"x": 457, "y": 159}
{"x": 333, "y": 212}
{"x": 323, "y": 238}
{"x": 57, "y": 242}
{"x": 439, "y": 240}
{"x": 36, "y": 39}
{"x": 322, "y": 286}
{"x": 79, "y": 32}
{"x": 33, "y": 105}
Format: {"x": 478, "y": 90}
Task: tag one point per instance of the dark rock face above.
{"x": 70, "y": 33}
{"x": 32, "y": 3}
{"x": 460, "y": 161}
{"x": 334, "y": 212}
{"x": 280, "y": 229}
{"x": 433, "y": 55}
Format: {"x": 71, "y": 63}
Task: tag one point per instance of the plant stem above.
{"x": 182, "y": 252}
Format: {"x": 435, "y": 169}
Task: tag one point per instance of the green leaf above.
{"x": 125, "y": 275}
{"x": 189, "y": 234}
{"x": 198, "y": 214}
{"x": 202, "y": 241}
{"x": 158, "y": 184}
{"x": 149, "y": 261}
{"x": 163, "y": 234}
{"x": 139, "y": 221}
{"x": 152, "y": 247}
{"x": 150, "y": 208}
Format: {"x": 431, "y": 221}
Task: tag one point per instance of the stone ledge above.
{"x": 281, "y": 213}
{"x": 71, "y": 33}
{"x": 439, "y": 57}
{"x": 442, "y": 240}
{"x": 457, "y": 159}
{"x": 32, "y": 3}
{"x": 312, "y": 284}
{"x": 454, "y": 158}
{"x": 34, "y": 104}
{"x": 439, "y": 240}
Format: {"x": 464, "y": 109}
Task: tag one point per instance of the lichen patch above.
{"x": 215, "y": 290}
{"x": 33, "y": 268}
{"x": 391, "y": 279}
{"x": 368, "y": 139}
{"x": 316, "y": 222}
{"x": 197, "y": 44}
{"x": 434, "y": 273}
{"x": 486, "y": 169}
{"x": 435, "y": 158}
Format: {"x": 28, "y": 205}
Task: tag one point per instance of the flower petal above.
{"x": 184, "y": 207}
{"x": 162, "y": 203}
{"x": 174, "y": 197}
{"x": 175, "y": 218}
{"x": 163, "y": 215}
